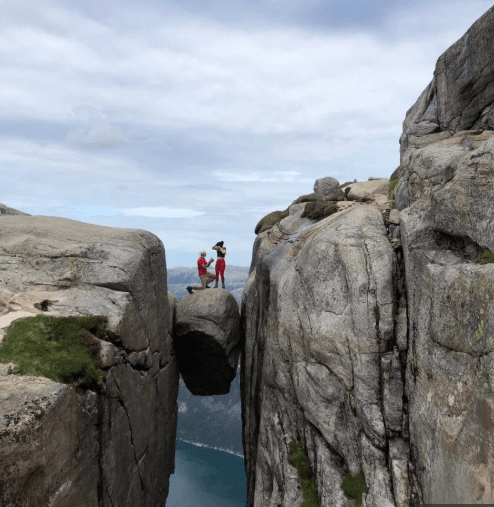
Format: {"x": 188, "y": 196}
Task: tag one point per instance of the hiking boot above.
{"x": 208, "y": 287}
{"x": 224, "y": 286}
{"x": 189, "y": 288}
{"x": 216, "y": 285}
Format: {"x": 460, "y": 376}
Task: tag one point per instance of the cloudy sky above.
{"x": 192, "y": 119}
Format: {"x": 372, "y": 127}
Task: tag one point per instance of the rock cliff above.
{"x": 446, "y": 197}
{"x": 321, "y": 362}
{"x": 366, "y": 334}
{"x": 71, "y": 444}
{"x": 368, "y": 331}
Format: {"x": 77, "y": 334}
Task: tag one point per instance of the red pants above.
{"x": 220, "y": 269}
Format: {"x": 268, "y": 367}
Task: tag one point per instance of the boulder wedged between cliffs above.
{"x": 207, "y": 341}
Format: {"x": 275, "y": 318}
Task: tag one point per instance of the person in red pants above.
{"x": 220, "y": 262}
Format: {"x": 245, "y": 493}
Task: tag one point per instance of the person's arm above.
{"x": 223, "y": 250}
{"x": 210, "y": 261}
{"x": 215, "y": 247}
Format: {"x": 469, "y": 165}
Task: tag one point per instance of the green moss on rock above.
{"x": 305, "y": 198}
{"x": 319, "y": 210}
{"x": 63, "y": 349}
{"x": 270, "y": 220}
{"x": 487, "y": 257}
{"x": 299, "y": 460}
{"x": 314, "y": 209}
{"x": 354, "y": 486}
{"x": 392, "y": 185}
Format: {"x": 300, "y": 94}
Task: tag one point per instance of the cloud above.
{"x": 199, "y": 73}
{"x": 257, "y": 176}
{"x": 258, "y": 110}
{"x": 98, "y": 134}
{"x": 88, "y": 210}
{"x": 162, "y": 212}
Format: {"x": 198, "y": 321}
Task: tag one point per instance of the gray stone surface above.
{"x": 401, "y": 326}
{"x": 122, "y": 440}
{"x": 43, "y": 461}
{"x": 392, "y": 391}
{"x": 449, "y": 373}
{"x": 318, "y": 313}
{"x": 365, "y": 189}
{"x": 394, "y": 217}
{"x": 446, "y": 197}
{"x": 399, "y": 456}
{"x": 207, "y": 343}
{"x": 328, "y": 189}
{"x": 333, "y": 311}
{"x": 461, "y": 94}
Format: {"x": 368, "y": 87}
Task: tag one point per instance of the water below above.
{"x": 206, "y": 478}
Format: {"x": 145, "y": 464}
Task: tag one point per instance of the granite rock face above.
{"x": 320, "y": 363}
{"x": 461, "y": 94}
{"x": 328, "y": 189}
{"x": 369, "y": 336}
{"x": 446, "y": 197}
{"x": 364, "y": 189}
{"x": 446, "y": 193}
{"x": 63, "y": 445}
{"x": 207, "y": 344}
{"x": 38, "y": 452}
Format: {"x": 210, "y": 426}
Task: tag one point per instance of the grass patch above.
{"x": 299, "y": 460}
{"x": 270, "y": 220}
{"x": 319, "y": 210}
{"x": 305, "y": 198}
{"x": 354, "y": 487}
{"x": 487, "y": 257}
{"x": 392, "y": 185}
{"x": 63, "y": 349}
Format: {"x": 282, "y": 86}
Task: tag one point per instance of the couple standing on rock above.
{"x": 202, "y": 266}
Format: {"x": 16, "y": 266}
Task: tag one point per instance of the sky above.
{"x": 193, "y": 119}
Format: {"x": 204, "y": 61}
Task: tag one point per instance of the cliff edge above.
{"x": 73, "y": 440}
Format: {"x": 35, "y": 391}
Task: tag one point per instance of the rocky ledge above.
{"x": 74, "y": 443}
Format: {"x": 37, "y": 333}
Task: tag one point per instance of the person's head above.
{"x": 202, "y": 253}
{"x": 220, "y": 243}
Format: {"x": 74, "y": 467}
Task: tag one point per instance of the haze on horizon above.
{"x": 192, "y": 119}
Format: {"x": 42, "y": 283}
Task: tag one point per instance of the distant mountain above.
{"x": 179, "y": 278}
{"x": 188, "y": 275}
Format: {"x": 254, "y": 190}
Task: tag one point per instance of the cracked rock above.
{"x": 85, "y": 448}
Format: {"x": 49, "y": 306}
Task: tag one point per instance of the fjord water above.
{"x": 206, "y": 478}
